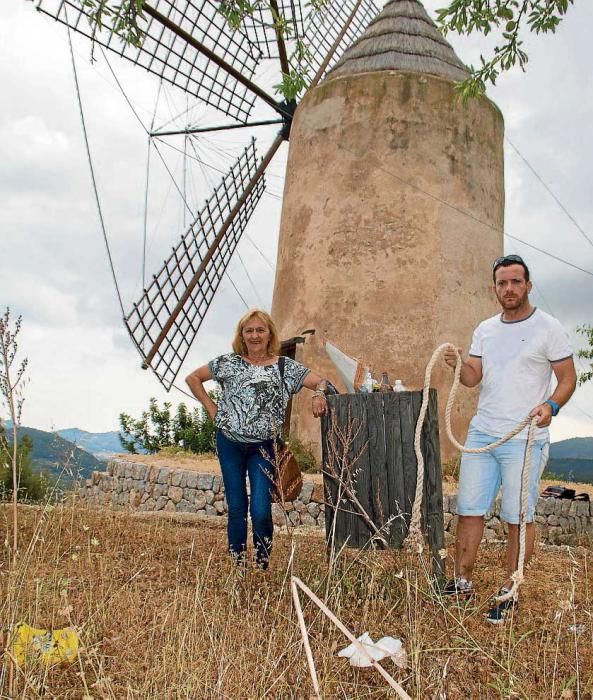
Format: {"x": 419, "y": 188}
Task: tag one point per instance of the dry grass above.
{"x": 162, "y": 613}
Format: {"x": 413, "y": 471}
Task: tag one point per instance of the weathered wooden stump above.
{"x": 368, "y": 441}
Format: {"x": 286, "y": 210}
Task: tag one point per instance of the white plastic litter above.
{"x": 385, "y": 647}
{"x": 350, "y": 369}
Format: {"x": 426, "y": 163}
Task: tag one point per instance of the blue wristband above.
{"x": 553, "y": 405}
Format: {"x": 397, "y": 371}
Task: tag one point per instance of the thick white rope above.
{"x": 415, "y": 540}
{"x": 295, "y": 584}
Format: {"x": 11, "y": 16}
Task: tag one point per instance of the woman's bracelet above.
{"x": 321, "y": 395}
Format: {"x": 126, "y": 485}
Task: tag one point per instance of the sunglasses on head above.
{"x": 507, "y": 259}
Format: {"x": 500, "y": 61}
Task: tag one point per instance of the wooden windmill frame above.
{"x": 189, "y": 44}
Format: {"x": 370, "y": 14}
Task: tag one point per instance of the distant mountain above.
{"x": 573, "y": 448}
{"x": 51, "y": 453}
{"x": 572, "y": 460}
{"x": 101, "y": 445}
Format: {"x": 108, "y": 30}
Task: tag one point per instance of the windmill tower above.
{"x": 393, "y": 210}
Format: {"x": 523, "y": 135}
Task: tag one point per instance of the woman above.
{"x": 249, "y": 417}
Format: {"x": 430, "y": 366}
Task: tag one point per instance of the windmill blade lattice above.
{"x": 170, "y": 57}
{"x": 198, "y": 259}
{"x": 323, "y": 28}
{"x": 259, "y": 26}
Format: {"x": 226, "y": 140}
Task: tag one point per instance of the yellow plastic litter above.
{"x": 29, "y": 645}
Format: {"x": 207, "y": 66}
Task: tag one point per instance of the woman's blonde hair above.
{"x": 264, "y": 317}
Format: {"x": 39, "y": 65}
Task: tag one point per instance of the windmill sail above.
{"x": 259, "y": 25}
{"x": 170, "y": 57}
{"x": 323, "y": 28}
{"x": 164, "y": 322}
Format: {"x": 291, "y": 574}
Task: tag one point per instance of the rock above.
{"x": 307, "y": 519}
{"x": 170, "y": 507}
{"x": 185, "y": 507}
{"x": 453, "y": 504}
{"x": 453, "y": 524}
{"x": 540, "y": 506}
{"x": 192, "y": 480}
{"x": 176, "y": 478}
{"x": 209, "y": 496}
{"x": 294, "y": 517}
{"x": 149, "y": 504}
{"x": 313, "y": 509}
{"x": 190, "y": 494}
{"x": 278, "y": 517}
{"x": 583, "y": 508}
{"x": 205, "y": 482}
{"x": 145, "y": 497}
{"x": 175, "y": 493}
{"x": 573, "y": 508}
{"x": 553, "y": 520}
{"x": 306, "y": 492}
{"x": 219, "y": 496}
{"x": 210, "y": 510}
{"x": 159, "y": 490}
{"x": 139, "y": 472}
{"x": 163, "y": 477}
{"x": 300, "y": 507}
{"x": 564, "y": 523}
{"x": 566, "y": 504}
{"x": 447, "y": 517}
{"x": 161, "y": 502}
{"x": 200, "y": 500}
{"x": 153, "y": 474}
{"x": 445, "y": 504}
{"x": 321, "y": 520}
{"x": 540, "y": 519}
{"x": 216, "y": 484}
{"x": 219, "y": 507}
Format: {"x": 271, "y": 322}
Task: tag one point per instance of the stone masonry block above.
{"x": 205, "y": 481}
{"x": 540, "y": 506}
{"x": 176, "y": 478}
{"x": 192, "y": 480}
{"x": 217, "y": 484}
{"x": 175, "y": 493}
{"x": 163, "y": 477}
{"x": 201, "y": 501}
{"x": 306, "y": 492}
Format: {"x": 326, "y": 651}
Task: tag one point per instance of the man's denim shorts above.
{"x": 481, "y": 475}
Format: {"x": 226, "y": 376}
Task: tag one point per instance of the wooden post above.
{"x": 373, "y": 436}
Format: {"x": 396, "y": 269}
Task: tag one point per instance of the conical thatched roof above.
{"x": 401, "y": 37}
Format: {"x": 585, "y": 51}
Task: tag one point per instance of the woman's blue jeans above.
{"x": 237, "y": 460}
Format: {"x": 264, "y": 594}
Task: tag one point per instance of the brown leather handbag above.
{"x": 288, "y": 480}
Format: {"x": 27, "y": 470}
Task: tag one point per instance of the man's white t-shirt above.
{"x": 516, "y": 369}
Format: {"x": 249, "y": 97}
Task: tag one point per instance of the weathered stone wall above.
{"x": 133, "y": 486}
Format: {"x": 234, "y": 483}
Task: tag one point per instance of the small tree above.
{"x": 11, "y": 383}
{"x": 586, "y": 353}
{"x": 31, "y": 486}
{"x": 190, "y": 430}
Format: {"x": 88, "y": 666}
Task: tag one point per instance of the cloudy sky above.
{"x": 83, "y": 370}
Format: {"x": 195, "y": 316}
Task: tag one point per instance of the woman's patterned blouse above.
{"x": 251, "y": 406}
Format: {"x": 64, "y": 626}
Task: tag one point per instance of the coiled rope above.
{"x": 415, "y": 540}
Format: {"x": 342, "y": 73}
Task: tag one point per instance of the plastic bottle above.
{"x": 367, "y": 383}
{"x": 399, "y": 386}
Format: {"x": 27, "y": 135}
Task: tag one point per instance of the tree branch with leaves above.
{"x": 586, "y": 354}
{"x": 512, "y": 19}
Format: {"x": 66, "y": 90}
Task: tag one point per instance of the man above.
{"x": 512, "y": 357}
